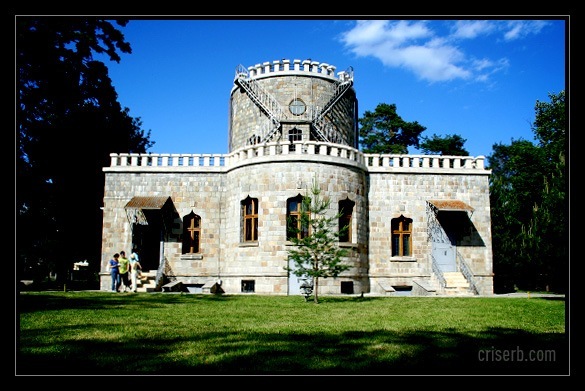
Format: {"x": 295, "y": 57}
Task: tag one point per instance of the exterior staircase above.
{"x": 319, "y": 122}
{"x": 456, "y": 284}
{"x": 266, "y": 102}
{"x": 147, "y": 281}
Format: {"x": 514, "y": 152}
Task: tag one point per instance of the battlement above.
{"x": 297, "y": 151}
{"x": 296, "y": 67}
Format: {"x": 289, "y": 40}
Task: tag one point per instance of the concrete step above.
{"x": 455, "y": 280}
{"x": 146, "y": 282}
{"x": 456, "y": 284}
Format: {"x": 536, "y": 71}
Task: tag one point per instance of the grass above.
{"x": 97, "y": 333}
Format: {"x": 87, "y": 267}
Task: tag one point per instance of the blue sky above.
{"x": 479, "y": 79}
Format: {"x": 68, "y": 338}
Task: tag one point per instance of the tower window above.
{"x": 401, "y": 237}
{"x": 250, "y": 219}
{"x": 296, "y": 226}
{"x": 297, "y": 106}
{"x": 294, "y": 135}
{"x": 191, "y": 233}
{"x": 345, "y": 220}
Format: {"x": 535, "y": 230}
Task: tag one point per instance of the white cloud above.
{"x": 376, "y": 37}
{"x": 516, "y": 29}
{"x": 415, "y": 46}
{"x": 472, "y": 28}
{"x": 434, "y": 61}
{"x": 407, "y": 44}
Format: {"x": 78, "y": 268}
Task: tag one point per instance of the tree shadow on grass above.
{"x": 497, "y": 352}
{"x": 213, "y": 351}
{"x": 31, "y": 303}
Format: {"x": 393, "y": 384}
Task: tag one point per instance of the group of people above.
{"x": 124, "y": 271}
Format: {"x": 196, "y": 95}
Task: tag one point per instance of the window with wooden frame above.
{"x": 250, "y": 219}
{"x": 401, "y": 237}
{"x": 345, "y": 220}
{"x": 191, "y": 234}
{"x": 296, "y": 226}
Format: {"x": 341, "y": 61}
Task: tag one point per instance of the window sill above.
{"x": 403, "y": 259}
{"x": 248, "y": 244}
{"x": 191, "y": 257}
{"x": 348, "y": 244}
{"x": 341, "y": 244}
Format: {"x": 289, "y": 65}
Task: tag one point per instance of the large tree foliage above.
{"x": 529, "y": 206}
{"x": 384, "y": 131}
{"x": 68, "y": 122}
{"x": 450, "y": 145}
{"x": 317, "y": 254}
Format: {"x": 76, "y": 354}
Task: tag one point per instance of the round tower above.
{"x": 292, "y": 101}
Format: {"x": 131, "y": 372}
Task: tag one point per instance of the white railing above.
{"x": 425, "y": 161}
{"x": 278, "y": 66}
{"x": 299, "y": 149}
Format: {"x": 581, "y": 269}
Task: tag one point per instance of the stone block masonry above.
{"x": 291, "y": 122}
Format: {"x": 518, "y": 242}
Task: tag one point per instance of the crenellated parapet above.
{"x": 297, "y": 151}
{"x": 295, "y": 67}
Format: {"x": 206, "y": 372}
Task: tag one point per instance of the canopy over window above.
{"x": 450, "y": 205}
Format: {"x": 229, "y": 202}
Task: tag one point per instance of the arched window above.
{"x": 191, "y": 233}
{"x": 345, "y": 220}
{"x": 295, "y": 226}
{"x": 401, "y": 237}
{"x": 249, "y": 208}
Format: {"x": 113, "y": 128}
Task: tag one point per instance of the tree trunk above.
{"x": 315, "y": 290}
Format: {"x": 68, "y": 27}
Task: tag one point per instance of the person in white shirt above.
{"x": 135, "y": 268}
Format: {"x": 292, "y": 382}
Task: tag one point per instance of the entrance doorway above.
{"x": 147, "y": 239}
{"x": 444, "y": 254}
{"x": 296, "y": 284}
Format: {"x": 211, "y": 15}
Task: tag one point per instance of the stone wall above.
{"x": 275, "y": 169}
{"x": 381, "y": 191}
{"x": 392, "y": 195}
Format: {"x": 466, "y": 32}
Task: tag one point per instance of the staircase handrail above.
{"x": 319, "y": 116}
{"x": 467, "y": 273}
{"x": 262, "y": 98}
{"x": 438, "y": 272}
{"x": 160, "y": 274}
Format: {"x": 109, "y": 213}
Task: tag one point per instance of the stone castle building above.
{"x": 418, "y": 224}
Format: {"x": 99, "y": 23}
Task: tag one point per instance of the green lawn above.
{"x": 94, "y": 333}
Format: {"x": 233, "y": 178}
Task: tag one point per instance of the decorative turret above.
{"x": 279, "y": 102}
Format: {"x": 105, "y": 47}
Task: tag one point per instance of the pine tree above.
{"x": 317, "y": 254}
